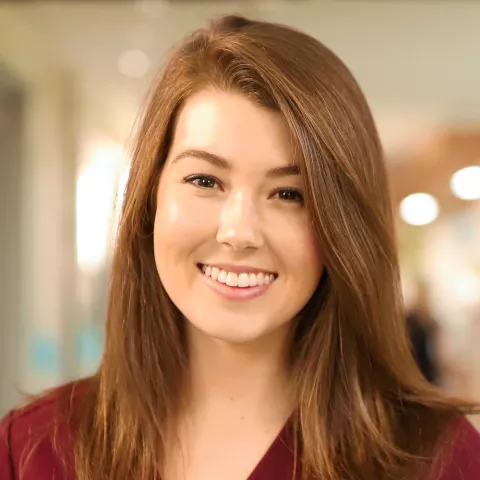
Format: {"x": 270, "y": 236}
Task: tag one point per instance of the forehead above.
{"x": 232, "y": 126}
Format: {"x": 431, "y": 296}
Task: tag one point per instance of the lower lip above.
{"x": 236, "y": 293}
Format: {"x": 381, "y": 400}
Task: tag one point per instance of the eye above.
{"x": 202, "y": 181}
{"x": 288, "y": 195}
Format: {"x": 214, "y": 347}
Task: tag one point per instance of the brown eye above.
{"x": 202, "y": 181}
{"x": 288, "y": 195}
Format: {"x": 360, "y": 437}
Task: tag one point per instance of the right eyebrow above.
{"x": 222, "y": 162}
{"x": 212, "y": 158}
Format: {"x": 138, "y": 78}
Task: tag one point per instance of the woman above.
{"x": 254, "y": 326}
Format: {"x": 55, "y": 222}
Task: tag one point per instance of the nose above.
{"x": 239, "y": 224}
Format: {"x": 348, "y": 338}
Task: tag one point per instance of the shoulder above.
{"x": 37, "y": 438}
{"x": 461, "y": 458}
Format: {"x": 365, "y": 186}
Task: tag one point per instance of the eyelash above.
{"x": 194, "y": 178}
{"x": 287, "y": 190}
{"x": 282, "y": 190}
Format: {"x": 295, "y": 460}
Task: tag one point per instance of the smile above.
{"x": 241, "y": 280}
{"x": 237, "y": 285}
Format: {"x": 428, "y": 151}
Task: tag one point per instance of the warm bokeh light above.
{"x": 133, "y": 63}
{"x": 465, "y": 183}
{"x": 419, "y": 209}
{"x": 467, "y": 288}
{"x": 96, "y": 189}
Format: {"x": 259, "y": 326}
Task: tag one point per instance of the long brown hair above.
{"x": 364, "y": 410}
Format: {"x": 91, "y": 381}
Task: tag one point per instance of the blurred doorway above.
{"x": 11, "y": 127}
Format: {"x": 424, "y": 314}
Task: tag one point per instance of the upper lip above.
{"x": 238, "y": 268}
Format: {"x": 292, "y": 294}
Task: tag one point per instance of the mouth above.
{"x": 237, "y": 279}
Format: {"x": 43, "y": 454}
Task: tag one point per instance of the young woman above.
{"x": 255, "y": 326}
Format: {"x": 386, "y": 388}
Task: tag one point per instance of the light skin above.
{"x": 230, "y": 195}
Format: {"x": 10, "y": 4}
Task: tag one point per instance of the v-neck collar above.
{"x": 279, "y": 460}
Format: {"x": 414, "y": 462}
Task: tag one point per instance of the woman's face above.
{"x": 233, "y": 243}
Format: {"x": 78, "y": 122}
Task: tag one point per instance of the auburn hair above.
{"x": 364, "y": 410}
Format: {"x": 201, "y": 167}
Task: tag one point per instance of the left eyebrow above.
{"x": 286, "y": 171}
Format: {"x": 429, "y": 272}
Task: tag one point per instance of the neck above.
{"x": 250, "y": 380}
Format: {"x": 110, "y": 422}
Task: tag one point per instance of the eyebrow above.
{"x": 221, "y": 162}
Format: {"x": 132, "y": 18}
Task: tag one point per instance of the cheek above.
{"x": 314, "y": 250}
{"x": 303, "y": 253}
{"x": 172, "y": 213}
{"x": 180, "y": 223}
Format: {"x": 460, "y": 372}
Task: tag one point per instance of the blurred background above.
{"x": 72, "y": 78}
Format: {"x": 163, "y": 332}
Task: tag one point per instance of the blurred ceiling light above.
{"x": 419, "y": 209}
{"x": 465, "y": 183}
{"x": 133, "y": 63}
{"x": 150, "y": 8}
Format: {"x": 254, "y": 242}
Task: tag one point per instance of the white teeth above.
{"x": 242, "y": 280}
{"x": 215, "y": 273}
{"x": 232, "y": 279}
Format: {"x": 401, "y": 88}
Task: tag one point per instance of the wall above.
{"x": 46, "y": 207}
{"x": 11, "y": 109}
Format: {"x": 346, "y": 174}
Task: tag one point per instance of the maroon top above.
{"x": 18, "y": 429}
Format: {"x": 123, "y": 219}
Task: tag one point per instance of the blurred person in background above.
{"x": 422, "y": 330}
{"x": 255, "y": 326}
{"x": 422, "y": 334}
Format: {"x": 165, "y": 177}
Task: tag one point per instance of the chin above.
{"x": 237, "y": 331}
